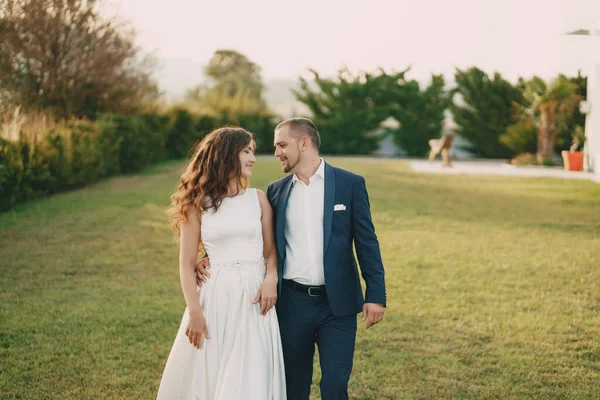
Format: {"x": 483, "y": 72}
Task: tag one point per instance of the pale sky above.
{"x": 515, "y": 37}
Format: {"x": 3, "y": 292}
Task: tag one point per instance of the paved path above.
{"x": 498, "y": 167}
{"x": 478, "y": 167}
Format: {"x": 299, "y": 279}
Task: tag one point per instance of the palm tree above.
{"x": 552, "y": 104}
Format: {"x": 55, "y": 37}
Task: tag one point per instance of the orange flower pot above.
{"x": 573, "y": 160}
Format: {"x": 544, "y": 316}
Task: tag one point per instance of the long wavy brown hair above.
{"x": 205, "y": 182}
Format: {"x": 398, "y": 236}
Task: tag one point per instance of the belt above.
{"x": 312, "y": 291}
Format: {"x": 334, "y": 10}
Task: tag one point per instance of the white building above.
{"x": 592, "y": 122}
{"x": 591, "y": 108}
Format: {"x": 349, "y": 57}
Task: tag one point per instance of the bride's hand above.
{"x": 267, "y": 295}
{"x": 196, "y": 329}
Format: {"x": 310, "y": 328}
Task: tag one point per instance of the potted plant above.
{"x": 572, "y": 158}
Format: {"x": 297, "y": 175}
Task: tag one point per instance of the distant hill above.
{"x": 176, "y": 75}
{"x": 282, "y": 100}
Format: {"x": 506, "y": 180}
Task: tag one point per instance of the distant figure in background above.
{"x": 443, "y": 146}
{"x": 242, "y": 356}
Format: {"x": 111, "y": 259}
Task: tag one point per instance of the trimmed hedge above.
{"x": 78, "y": 153}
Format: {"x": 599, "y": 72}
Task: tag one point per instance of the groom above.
{"x": 319, "y": 212}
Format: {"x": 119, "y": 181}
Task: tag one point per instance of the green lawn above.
{"x": 493, "y": 288}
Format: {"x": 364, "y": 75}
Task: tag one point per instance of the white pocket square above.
{"x": 339, "y": 207}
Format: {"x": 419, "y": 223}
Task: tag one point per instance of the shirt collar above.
{"x": 320, "y": 172}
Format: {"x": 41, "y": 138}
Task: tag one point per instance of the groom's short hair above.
{"x": 304, "y": 125}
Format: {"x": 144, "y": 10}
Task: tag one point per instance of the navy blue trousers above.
{"x": 303, "y": 322}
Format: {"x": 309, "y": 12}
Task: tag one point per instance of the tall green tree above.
{"x": 553, "y": 104}
{"x": 568, "y": 126}
{"x": 420, "y": 113}
{"x": 483, "y": 110}
{"x": 63, "y": 56}
{"x": 234, "y": 86}
{"x": 349, "y": 108}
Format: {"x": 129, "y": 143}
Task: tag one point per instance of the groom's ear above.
{"x": 304, "y": 142}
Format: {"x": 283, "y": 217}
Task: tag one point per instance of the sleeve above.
{"x": 367, "y": 245}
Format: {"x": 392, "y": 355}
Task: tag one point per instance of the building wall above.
{"x": 592, "y": 122}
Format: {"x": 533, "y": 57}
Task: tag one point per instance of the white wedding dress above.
{"x": 243, "y": 357}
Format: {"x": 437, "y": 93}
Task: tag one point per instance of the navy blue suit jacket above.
{"x": 341, "y": 229}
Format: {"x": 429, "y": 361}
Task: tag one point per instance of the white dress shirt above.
{"x": 304, "y": 230}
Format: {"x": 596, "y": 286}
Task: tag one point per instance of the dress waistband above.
{"x": 233, "y": 264}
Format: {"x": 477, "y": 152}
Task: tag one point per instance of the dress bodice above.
{"x": 234, "y": 231}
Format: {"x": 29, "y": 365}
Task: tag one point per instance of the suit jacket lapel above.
{"x": 281, "y": 211}
{"x": 328, "y": 204}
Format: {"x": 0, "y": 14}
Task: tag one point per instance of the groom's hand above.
{"x": 372, "y": 313}
{"x": 202, "y": 273}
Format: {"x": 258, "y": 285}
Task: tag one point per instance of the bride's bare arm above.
{"x": 268, "y": 290}
{"x": 188, "y": 251}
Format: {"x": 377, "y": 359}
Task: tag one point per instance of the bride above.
{"x": 228, "y": 345}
